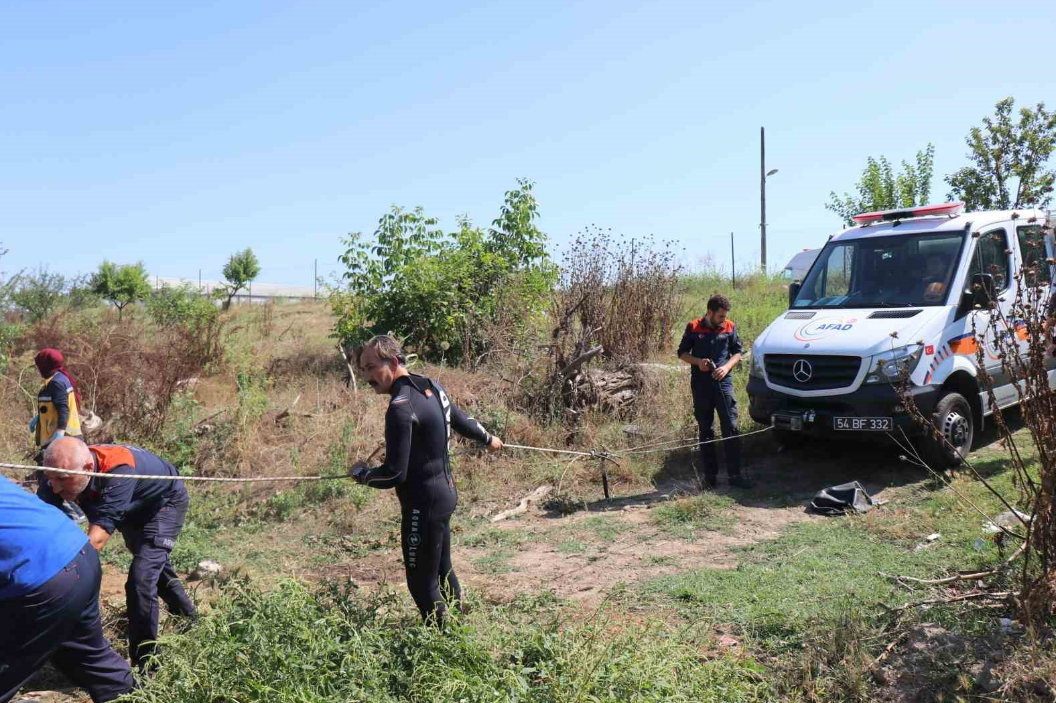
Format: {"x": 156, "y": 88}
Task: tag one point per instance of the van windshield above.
{"x": 905, "y": 270}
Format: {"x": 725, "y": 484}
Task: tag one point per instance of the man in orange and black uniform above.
{"x": 149, "y": 513}
{"x": 711, "y": 346}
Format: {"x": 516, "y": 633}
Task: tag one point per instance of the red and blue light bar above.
{"x": 947, "y": 209}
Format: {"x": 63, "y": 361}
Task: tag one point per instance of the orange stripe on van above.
{"x": 965, "y": 345}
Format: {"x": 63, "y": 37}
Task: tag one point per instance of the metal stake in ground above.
{"x": 602, "y": 458}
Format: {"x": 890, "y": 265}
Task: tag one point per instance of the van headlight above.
{"x": 755, "y": 368}
{"x": 895, "y": 365}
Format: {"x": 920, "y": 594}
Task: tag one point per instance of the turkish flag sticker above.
{"x": 929, "y": 350}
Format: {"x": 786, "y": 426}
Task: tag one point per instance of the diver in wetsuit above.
{"x": 418, "y": 426}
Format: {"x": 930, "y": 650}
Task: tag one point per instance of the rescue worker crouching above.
{"x": 418, "y": 426}
{"x": 49, "y": 601}
{"x": 710, "y": 345}
{"x": 149, "y": 514}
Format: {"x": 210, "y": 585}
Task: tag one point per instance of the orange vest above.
{"x": 110, "y": 456}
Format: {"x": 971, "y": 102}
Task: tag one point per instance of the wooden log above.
{"x": 538, "y": 494}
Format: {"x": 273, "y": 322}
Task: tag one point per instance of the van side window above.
{"x": 991, "y": 256}
{"x": 1036, "y": 270}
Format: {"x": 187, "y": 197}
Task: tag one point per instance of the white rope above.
{"x": 145, "y": 477}
{"x": 662, "y": 439}
{"x": 543, "y": 449}
{"x": 682, "y": 443}
{"x": 594, "y": 454}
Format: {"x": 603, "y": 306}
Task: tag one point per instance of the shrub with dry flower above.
{"x": 1019, "y": 337}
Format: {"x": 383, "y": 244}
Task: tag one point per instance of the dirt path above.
{"x": 584, "y": 555}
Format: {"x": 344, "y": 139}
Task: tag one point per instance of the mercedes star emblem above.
{"x": 801, "y": 370}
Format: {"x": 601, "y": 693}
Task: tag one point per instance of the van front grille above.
{"x": 817, "y": 373}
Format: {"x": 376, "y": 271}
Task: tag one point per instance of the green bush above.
{"x": 281, "y": 506}
{"x": 180, "y": 306}
{"x": 432, "y": 289}
{"x": 179, "y": 441}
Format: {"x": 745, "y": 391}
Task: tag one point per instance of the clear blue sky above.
{"x": 176, "y": 133}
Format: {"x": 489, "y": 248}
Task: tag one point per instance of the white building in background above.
{"x": 253, "y": 293}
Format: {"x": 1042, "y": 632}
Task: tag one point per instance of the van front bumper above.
{"x": 816, "y": 415}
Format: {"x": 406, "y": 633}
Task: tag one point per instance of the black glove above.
{"x": 360, "y": 475}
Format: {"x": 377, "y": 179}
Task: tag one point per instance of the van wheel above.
{"x": 788, "y": 439}
{"x": 953, "y": 418}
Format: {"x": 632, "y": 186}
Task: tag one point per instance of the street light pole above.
{"x": 762, "y": 198}
{"x": 763, "y": 175}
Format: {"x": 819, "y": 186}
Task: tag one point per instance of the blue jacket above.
{"x": 716, "y": 343}
{"x": 113, "y": 502}
{"x": 36, "y": 541}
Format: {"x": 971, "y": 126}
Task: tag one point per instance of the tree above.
{"x": 239, "y": 271}
{"x": 8, "y": 332}
{"x": 1007, "y": 152}
{"x": 120, "y": 285}
{"x": 434, "y": 289}
{"x": 39, "y": 294}
{"x": 880, "y": 189}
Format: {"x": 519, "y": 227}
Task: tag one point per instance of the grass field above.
{"x": 663, "y": 594}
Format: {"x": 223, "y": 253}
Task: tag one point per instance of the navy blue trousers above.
{"x": 60, "y": 621}
{"x": 711, "y": 398}
{"x": 151, "y": 575}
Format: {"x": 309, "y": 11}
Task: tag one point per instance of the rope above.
{"x": 553, "y": 451}
{"x": 593, "y": 454}
{"x": 662, "y": 439}
{"x": 683, "y": 443}
{"x": 144, "y": 477}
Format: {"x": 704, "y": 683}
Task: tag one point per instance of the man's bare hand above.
{"x": 704, "y": 365}
{"x": 495, "y": 444}
{"x": 720, "y": 373}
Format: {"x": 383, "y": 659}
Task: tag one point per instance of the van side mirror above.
{"x": 793, "y": 291}
{"x": 982, "y": 289}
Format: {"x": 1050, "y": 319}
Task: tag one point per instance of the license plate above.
{"x": 868, "y": 424}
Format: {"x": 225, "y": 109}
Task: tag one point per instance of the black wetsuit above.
{"x": 417, "y": 429}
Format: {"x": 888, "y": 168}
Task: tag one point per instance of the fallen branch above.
{"x": 535, "y": 495}
{"x": 288, "y": 328}
{"x": 351, "y": 381}
{"x": 889, "y": 648}
{"x": 583, "y": 358}
{"x": 946, "y": 601}
{"x": 218, "y": 413}
{"x": 961, "y": 576}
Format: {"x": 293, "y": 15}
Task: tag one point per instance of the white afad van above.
{"x": 892, "y": 297}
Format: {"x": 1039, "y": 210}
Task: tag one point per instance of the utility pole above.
{"x": 199, "y": 281}
{"x": 762, "y": 198}
{"x": 763, "y": 175}
{"x": 315, "y": 280}
{"x": 733, "y": 264}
